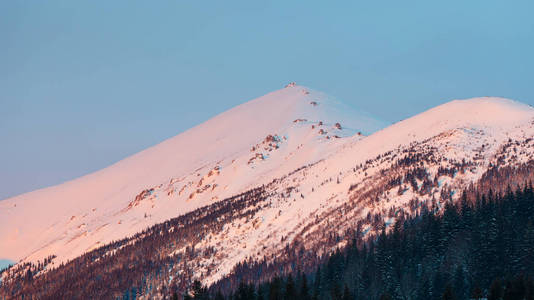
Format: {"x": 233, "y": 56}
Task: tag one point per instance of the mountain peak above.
{"x": 246, "y": 146}
{"x": 288, "y": 142}
{"x": 483, "y": 111}
{"x": 491, "y": 103}
{"x": 291, "y": 84}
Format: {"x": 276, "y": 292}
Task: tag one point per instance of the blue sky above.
{"x": 85, "y": 84}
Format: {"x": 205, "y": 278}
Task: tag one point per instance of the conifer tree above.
{"x": 496, "y": 290}
{"x": 347, "y": 295}
{"x": 218, "y": 295}
{"x": 275, "y": 291}
{"x": 290, "y": 291}
{"x": 448, "y": 294}
{"x": 304, "y": 290}
{"x": 460, "y": 284}
{"x": 199, "y": 291}
{"x": 317, "y": 284}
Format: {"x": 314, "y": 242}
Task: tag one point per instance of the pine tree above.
{"x": 424, "y": 291}
{"x": 347, "y": 295}
{"x": 526, "y": 253}
{"x": 275, "y": 292}
{"x": 304, "y": 290}
{"x": 260, "y": 294}
{"x": 335, "y": 292}
{"x": 460, "y": 285}
{"x": 244, "y": 291}
{"x": 438, "y": 285}
{"x": 317, "y": 285}
{"x": 218, "y": 296}
{"x": 476, "y": 293}
{"x": 385, "y": 296}
{"x": 290, "y": 291}
{"x": 529, "y": 289}
{"x": 199, "y": 292}
{"x": 495, "y": 291}
{"x": 515, "y": 289}
{"x": 509, "y": 293}
{"x": 448, "y": 294}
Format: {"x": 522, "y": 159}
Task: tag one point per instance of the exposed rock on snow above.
{"x": 291, "y": 84}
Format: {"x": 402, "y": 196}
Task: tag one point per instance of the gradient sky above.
{"x": 85, "y": 84}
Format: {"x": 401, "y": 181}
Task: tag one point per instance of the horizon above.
{"x": 85, "y": 86}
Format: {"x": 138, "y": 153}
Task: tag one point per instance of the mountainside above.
{"x": 272, "y": 181}
{"x": 242, "y": 148}
{"x": 421, "y": 161}
{"x": 480, "y": 246}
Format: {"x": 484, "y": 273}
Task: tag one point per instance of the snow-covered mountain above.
{"x": 242, "y": 148}
{"x": 312, "y": 169}
{"x": 422, "y": 161}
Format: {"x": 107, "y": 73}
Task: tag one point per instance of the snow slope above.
{"x": 496, "y": 117}
{"x": 244, "y": 147}
{"x": 319, "y": 187}
{"x": 354, "y": 186}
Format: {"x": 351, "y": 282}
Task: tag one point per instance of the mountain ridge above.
{"x": 305, "y": 186}
{"x": 286, "y": 114}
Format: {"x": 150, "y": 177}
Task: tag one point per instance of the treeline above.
{"x": 136, "y": 266}
{"x": 435, "y": 248}
{"x": 473, "y": 249}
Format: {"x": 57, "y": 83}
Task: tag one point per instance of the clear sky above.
{"x": 84, "y": 84}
